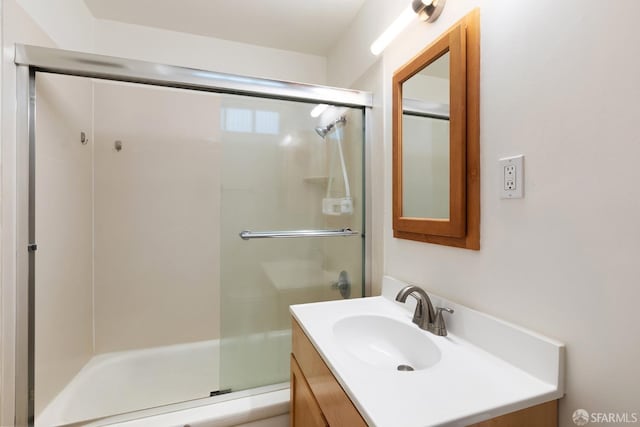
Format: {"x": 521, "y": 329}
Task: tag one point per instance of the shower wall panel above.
{"x": 157, "y": 214}
{"x": 63, "y": 294}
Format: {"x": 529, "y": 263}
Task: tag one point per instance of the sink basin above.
{"x": 385, "y": 343}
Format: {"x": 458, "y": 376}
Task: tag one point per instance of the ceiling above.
{"x": 306, "y": 26}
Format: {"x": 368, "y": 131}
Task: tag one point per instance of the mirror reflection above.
{"x": 425, "y": 142}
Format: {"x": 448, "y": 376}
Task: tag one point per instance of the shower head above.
{"x": 324, "y": 130}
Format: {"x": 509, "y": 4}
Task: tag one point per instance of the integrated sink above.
{"x": 396, "y": 374}
{"x": 385, "y": 343}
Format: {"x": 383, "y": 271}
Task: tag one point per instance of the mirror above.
{"x": 425, "y": 133}
{"x": 435, "y": 140}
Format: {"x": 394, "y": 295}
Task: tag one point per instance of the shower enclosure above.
{"x": 171, "y": 216}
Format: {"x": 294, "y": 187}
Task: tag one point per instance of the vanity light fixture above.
{"x": 392, "y": 31}
{"x": 427, "y": 10}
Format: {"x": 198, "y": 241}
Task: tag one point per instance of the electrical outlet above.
{"x": 510, "y": 177}
{"x": 512, "y": 172}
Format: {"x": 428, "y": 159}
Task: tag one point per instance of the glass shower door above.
{"x": 284, "y": 171}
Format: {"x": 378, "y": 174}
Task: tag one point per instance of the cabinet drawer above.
{"x": 336, "y": 406}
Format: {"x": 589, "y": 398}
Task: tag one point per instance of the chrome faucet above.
{"x": 425, "y": 316}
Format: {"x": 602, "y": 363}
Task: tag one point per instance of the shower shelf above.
{"x": 322, "y": 180}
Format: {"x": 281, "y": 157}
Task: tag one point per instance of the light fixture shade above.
{"x": 428, "y": 10}
{"x": 393, "y": 30}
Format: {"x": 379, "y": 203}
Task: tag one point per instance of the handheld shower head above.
{"x": 324, "y": 130}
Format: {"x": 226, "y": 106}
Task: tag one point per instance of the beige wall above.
{"x": 189, "y": 50}
{"x": 64, "y": 222}
{"x": 71, "y": 25}
{"x": 68, "y": 23}
{"x": 157, "y": 212}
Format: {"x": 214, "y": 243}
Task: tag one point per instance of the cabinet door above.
{"x": 305, "y": 411}
{"x": 334, "y": 403}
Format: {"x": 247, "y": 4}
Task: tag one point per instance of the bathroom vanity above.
{"x": 363, "y": 362}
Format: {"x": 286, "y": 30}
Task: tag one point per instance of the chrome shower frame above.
{"x": 32, "y": 59}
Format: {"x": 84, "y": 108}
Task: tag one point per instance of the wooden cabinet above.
{"x": 305, "y": 410}
{"x": 318, "y": 400}
{"x": 543, "y": 415}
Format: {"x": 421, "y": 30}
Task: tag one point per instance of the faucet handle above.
{"x": 439, "y": 310}
{"x": 439, "y": 327}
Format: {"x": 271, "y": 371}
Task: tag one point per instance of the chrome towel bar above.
{"x": 248, "y": 234}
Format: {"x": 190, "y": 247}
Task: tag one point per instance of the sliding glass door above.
{"x": 290, "y": 228}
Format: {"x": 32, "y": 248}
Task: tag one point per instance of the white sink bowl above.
{"x": 385, "y": 343}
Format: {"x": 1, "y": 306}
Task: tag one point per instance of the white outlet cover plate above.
{"x": 511, "y": 182}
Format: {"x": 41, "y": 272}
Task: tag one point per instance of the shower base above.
{"x": 116, "y": 383}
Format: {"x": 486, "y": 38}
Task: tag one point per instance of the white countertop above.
{"x": 488, "y": 367}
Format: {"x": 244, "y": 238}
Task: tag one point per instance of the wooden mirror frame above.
{"x": 462, "y": 229}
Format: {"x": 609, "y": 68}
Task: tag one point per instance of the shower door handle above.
{"x": 285, "y": 234}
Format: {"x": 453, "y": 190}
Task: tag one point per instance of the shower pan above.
{"x": 171, "y": 216}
